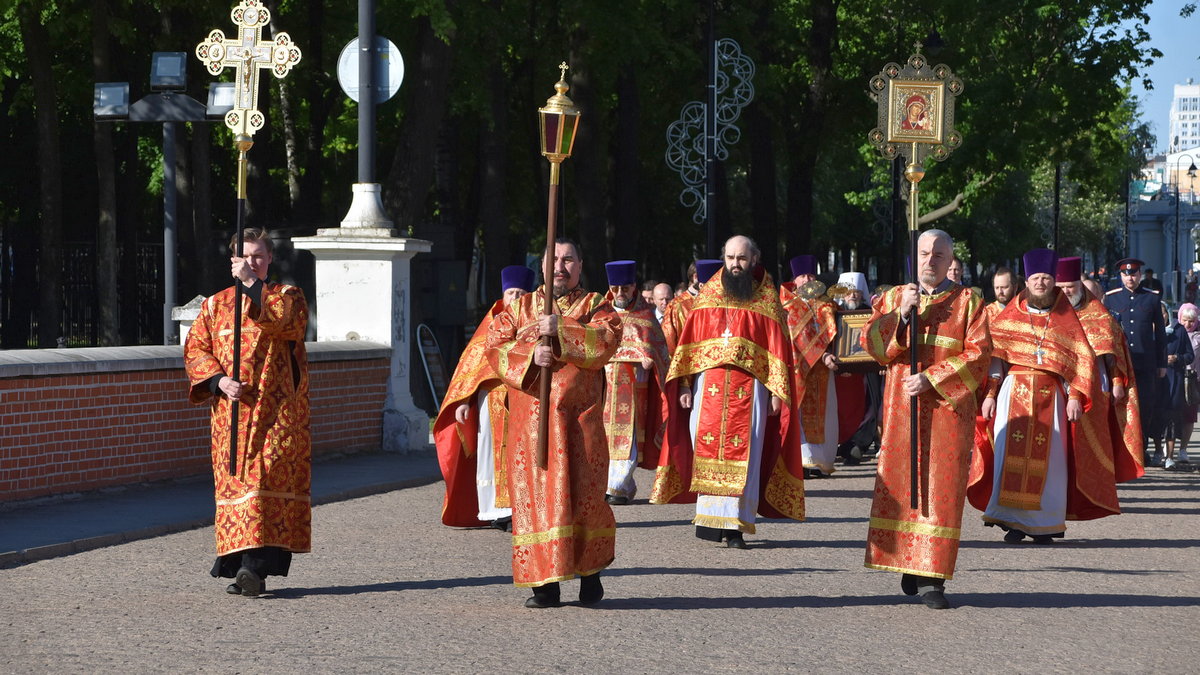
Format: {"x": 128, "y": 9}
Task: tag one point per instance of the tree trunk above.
{"x": 626, "y": 226}
{"x": 809, "y": 126}
{"x": 107, "y": 297}
{"x": 493, "y": 174}
{"x": 763, "y": 209}
{"x": 411, "y": 175}
{"x": 202, "y": 208}
{"x": 289, "y": 132}
{"x": 585, "y": 172}
{"x": 322, "y": 94}
{"x": 37, "y": 51}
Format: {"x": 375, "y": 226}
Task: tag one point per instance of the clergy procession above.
{"x": 1030, "y": 408}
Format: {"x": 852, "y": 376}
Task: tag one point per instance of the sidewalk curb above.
{"x": 17, "y": 558}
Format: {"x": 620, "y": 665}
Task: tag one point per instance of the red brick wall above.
{"x": 64, "y": 433}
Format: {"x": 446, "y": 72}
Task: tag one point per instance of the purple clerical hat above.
{"x": 1068, "y": 270}
{"x": 803, "y": 264}
{"x": 621, "y": 272}
{"x": 706, "y": 268}
{"x": 1039, "y": 261}
{"x": 516, "y": 276}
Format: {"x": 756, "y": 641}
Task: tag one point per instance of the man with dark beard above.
{"x": 561, "y": 526}
{"x": 733, "y": 447}
{"x": 1050, "y": 374}
{"x": 633, "y": 386}
{"x": 1005, "y": 285}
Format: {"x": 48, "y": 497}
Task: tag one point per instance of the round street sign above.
{"x": 389, "y": 69}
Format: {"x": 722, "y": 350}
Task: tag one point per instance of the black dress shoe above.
{"x": 734, "y": 539}
{"x": 250, "y": 583}
{"x": 616, "y": 500}
{"x": 233, "y": 589}
{"x": 591, "y": 590}
{"x": 709, "y": 533}
{"x": 935, "y": 598}
{"x": 503, "y": 524}
{"x": 908, "y": 583}
{"x": 544, "y": 597}
{"x": 1014, "y": 536}
{"x": 933, "y": 592}
{"x": 1043, "y": 539}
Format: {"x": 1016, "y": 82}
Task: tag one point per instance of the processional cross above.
{"x": 249, "y": 54}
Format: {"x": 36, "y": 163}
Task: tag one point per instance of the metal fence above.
{"x": 141, "y": 296}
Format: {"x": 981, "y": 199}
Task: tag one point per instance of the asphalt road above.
{"x": 388, "y": 588}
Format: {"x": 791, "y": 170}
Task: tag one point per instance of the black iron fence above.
{"x": 140, "y": 289}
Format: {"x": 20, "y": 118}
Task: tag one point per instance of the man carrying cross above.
{"x": 734, "y": 446}
{"x": 263, "y": 511}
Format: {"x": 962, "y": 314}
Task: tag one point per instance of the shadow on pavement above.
{"x": 294, "y": 593}
{"x": 1159, "y": 509}
{"x": 712, "y": 571}
{"x": 772, "y": 602}
{"x": 1086, "y": 543}
{"x": 1085, "y": 570}
{"x": 1068, "y": 600}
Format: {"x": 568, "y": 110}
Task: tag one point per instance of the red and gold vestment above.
{"x": 734, "y": 344}
{"x": 456, "y": 442}
{"x": 268, "y": 502}
{"x": 561, "y": 525}
{"x": 1043, "y": 350}
{"x": 812, "y": 326}
{"x": 1108, "y": 439}
{"x": 954, "y": 352}
{"x": 675, "y": 317}
{"x": 633, "y": 409}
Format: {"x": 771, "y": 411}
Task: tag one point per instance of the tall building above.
{"x": 1184, "y": 129}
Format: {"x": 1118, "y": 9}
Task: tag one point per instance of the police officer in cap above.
{"x": 1138, "y": 313}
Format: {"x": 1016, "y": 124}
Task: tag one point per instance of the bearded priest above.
{"x": 1048, "y": 369}
{"x": 561, "y": 526}
{"x": 733, "y": 445}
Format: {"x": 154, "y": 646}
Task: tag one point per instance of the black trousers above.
{"x": 265, "y": 561}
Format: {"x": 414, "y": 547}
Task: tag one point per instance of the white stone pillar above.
{"x": 364, "y": 292}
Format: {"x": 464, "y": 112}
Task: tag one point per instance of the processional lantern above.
{"x": 558, "y": 121}
{"x": 915, "y": 121}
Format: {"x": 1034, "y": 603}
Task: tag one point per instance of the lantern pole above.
{"x": 558, "y": 121}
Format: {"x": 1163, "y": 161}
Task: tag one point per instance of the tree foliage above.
{"x": 457, "y": 154}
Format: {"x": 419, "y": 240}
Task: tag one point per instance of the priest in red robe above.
{"x": 953, "y": 351}
{"x": 732, "y": 444}
{"x": 812, "y": 326}
{"x": 1107, "y": 439}
{"x": 562, "y": 527}
{"x": 676, "y": 314}
{"x": 264, "y": 513}
{"x": 470, "y": 428}
{"x": 634, "y": 409}
{"x": 1021, "y": 480}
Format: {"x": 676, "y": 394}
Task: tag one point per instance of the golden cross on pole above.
{"x": 248, "y": 54}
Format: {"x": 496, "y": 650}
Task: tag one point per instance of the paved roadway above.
{"x": 390, "y": 589}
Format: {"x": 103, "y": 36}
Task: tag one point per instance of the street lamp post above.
{"x": 168, "y": 105}
{"x": 1191, "y": 172}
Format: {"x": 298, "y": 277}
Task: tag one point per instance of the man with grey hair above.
{"x": 953, "y": 351}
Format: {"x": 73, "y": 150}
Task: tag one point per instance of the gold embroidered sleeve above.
{"x": 960, "y": 375}
{"x": 199, "y": 358}
{"x": 510, "y": 355}
{"x": 589, "y": 345}
{"x": 283, "y": 314}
